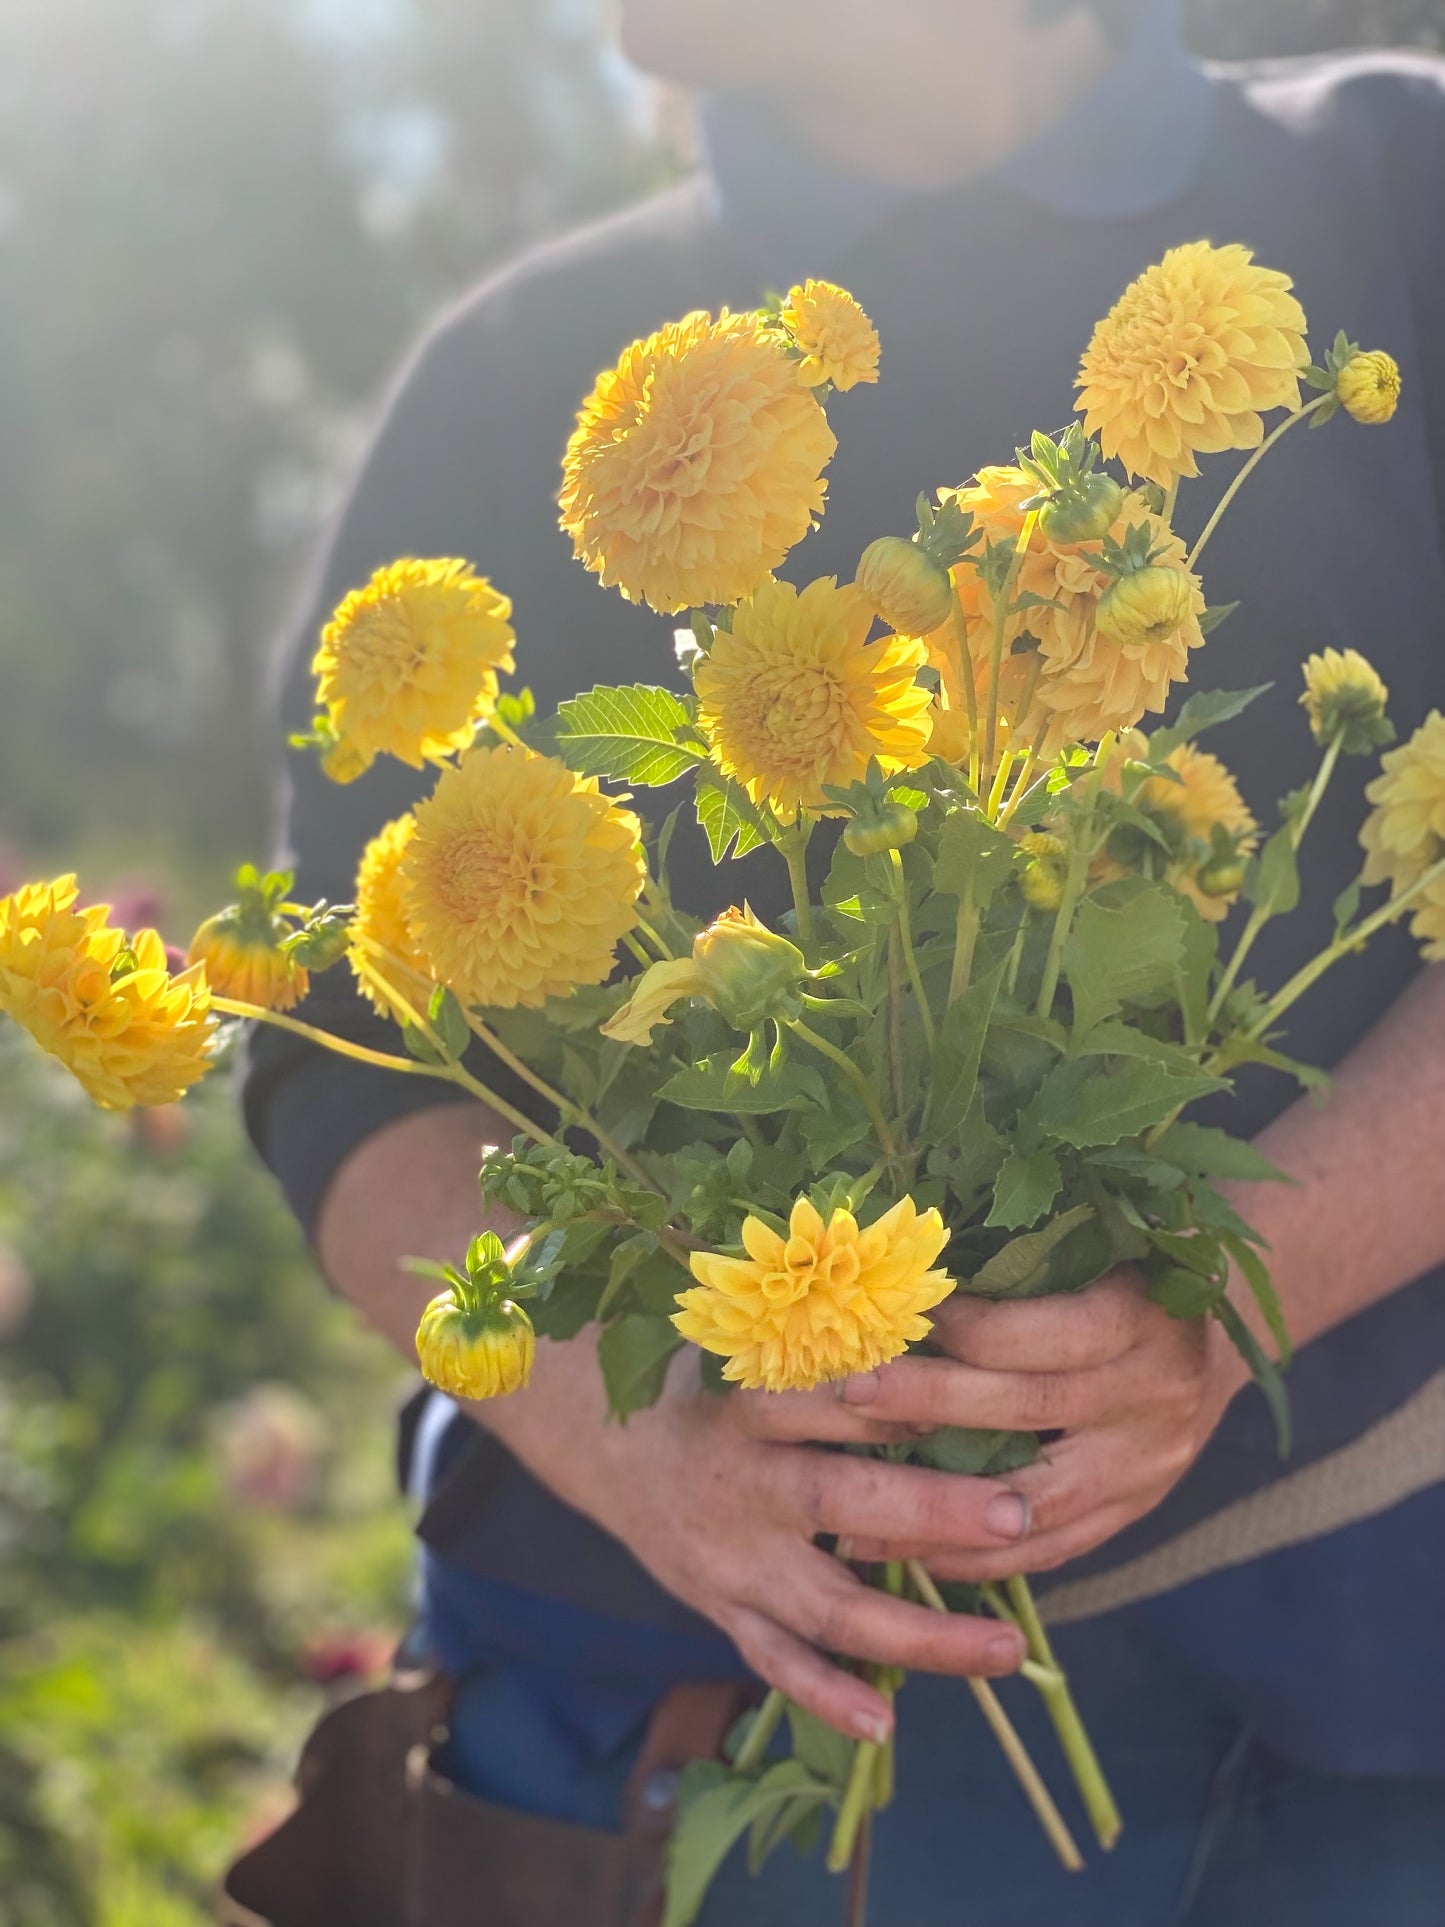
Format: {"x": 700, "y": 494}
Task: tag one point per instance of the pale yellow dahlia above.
{"x": 1404, "y": 834}
{"x": 796, "y": 696}
{"x": 696, "y": 464}
{"x": 1369, "y": 387}
{"x": 823, "y": 1302}
{"x": 242, "y": 961}
{"x": 520, "y": 879}
{"x": 1345, "y": 696}
{"x": 1189, "y": 358}
{"x": 1204, "y": 798}
{"x": 380, "y": 919}
{"x": 1077, "y": 682}
{"x": 475, "y": 1351}
{"x": 839, "y": 344}
{"x": 1427, "y": 921}
{"x": 105, "y": 1005}
{"x": 408, "y": 665}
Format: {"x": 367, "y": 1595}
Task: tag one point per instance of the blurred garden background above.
{"x": 221, "y": 223}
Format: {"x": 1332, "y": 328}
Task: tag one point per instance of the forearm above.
{"x": 1366, "y": 1213}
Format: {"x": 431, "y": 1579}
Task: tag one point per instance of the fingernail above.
{"x": 871, "y": 1726}
{"x": 1006, "y": 1652}
{"x": 861, "y": 1389}
{"x": 1007, "y": 1516}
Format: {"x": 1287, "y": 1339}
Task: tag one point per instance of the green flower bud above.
{"x": 1084, "y": 511}
{"x": 1148, "y": 606}
{"x": 893, "y": 827}
{"x": 484, "y": 1350}
{"x": 747, "y": 972}
{"x": 907, "y": 587}
{"x": 1224, "y": 877}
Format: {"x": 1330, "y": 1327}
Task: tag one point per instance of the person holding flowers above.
{"x": 1255, "y": 1644}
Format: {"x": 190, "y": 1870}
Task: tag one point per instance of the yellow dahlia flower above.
{"x": 1042, "y": 878}
{"x": 1405, "y": 832}
{"x": 408, "y": 665}
{"x": 106, "y": 1006}
{"x": 1206, "y": 796}
{"x": 1189, "y": 358}
{"x": 1086, "y": 683}
{"x": 241, "y": 961}
{"x": 696, "y": 464}
{"x": 825, "y": 1301}
{"x": 839, "y": 344}
{"x": 482, "y": 1351}
{"x": 381, "y": 918}
{"x": 1369, "y": 387}
{"x": 520, "y": 879}
{"x": 1427, "y": 921}
{"x": 1345, "y": 696}
{"x": 796, "y": 696}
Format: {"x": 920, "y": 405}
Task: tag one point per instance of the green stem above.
{"x": 856, "y": 1078}
{"x": 895, "y": 1021}
{"x": 857, "y": 1798}
{"x": 754, "y": 1748}
{"x": 1016, "y": 955}
{"x": 1014, "y": 1750}
{"x": 1025, "y": 775}
{"x": 794, "y": 846}
{"x": 342, "y": 1046}
{"x": 856, "y": 1911}
{"x": 1171, "y": 496}
{"x": 965, "y": 940}
{"x": 1000, "y": 624}
{"x": 1078, "y": 1748}
{"x": 1248, "y": 469}
{"x": 1074, "y": 881}
{"x": 970, "y": 687}
{"x": 905, "y": 934}
{"x": 653, "y": 938}
{"x": 637, "y": 950}
{"x": 1317, "y": 789}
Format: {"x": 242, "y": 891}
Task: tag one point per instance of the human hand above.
{"x": 1133, "y": 1394}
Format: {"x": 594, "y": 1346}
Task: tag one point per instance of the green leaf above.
{"x": 1079, "y": 1107}
{"x": 787, "y": 1818}
{"x": 634, "y": 1351}
{"x": 1253, "y": 1050}
{"x": 972, "y": 855}
{"x": 958, "y": 1053}
{"x": 823, "y": 1750}
{"x": 1261, "y": 1285}
{"x": 1206, "y": 1152}
{"x": 1203, "y": 710}
{"x": 1347, "y": 908}
{"x": 712, "y": 1085}
{"x": 418, "y": 1045}
{"x": 975, "y": 1453}
{"x": 1124, "y": 948}
{"x": 733, "y": 826}
{"x": 1184, "y": 1293}
{"x": 626, "y": 1257}
{"x": 1196, "y": 968}
{"x": 449, "y": 1021}
{"x": 636, "y": 734}
{"x": 1026, "y": 1187}
{"x": 1012, "y": 1272}
{"x": 717, "y": 1808}
{"x": 1114, "y": 1039}
{"x": 571, "y": 1304}
{"x": 854, "y": 889}
{"x": 829, "y": 1133}
{"x": 1211, "y": 618}
{"x": 1272, "y": 881}
{"x": 1264, "y": 1370}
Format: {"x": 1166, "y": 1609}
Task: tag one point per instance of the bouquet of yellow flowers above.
{"x": 967, "y": 1063}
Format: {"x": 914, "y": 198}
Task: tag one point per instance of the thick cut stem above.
{"x": 857, "y": 1800}
{"x": 794, "y": 847}
{"x": 1078, "y": 1748}
{"x": 856, "y": 1912}
{"x": 905, "y": 934}
{"x": 965, "y": 940}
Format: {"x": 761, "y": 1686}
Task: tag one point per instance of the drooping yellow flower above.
{"x": 839, "y": 343}
{"x": 105, "y": 1005}
{"x": 825, "y": 1301}
{"x": 904, "y": 585}
{"x": 1369, "y": 387}
{"x": 1345, "y": 696}
{"x": 696, "y": 464}
{"x": 1205, "y": 796}
{"x": 1404, "y": 834}
{"x": 241, "y": 961}
{"x": 520, "y": 879}
{"x": 408, "y": 665}
{"x": 1083, "y": 683}
{"x": 1149, "y": 606}
{"x": 747, "y": 972}
{"x": 1189, "y": 358}
{"x": 486, "y": 1351}
{"x": 381, "y": 919}
{"x": 796, "y": 696}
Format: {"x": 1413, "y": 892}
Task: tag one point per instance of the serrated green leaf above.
{"x": 972, "y": 856}
{"x": 1261, "y": 1285}
{"x": 711, "y": 1085}
{"x": 1253, "y": 1050}
{"x": 1206, "y": 1152}
{"x": 1026, "y": 1187}
{"x": 1272, "y": 881}
{"x": 1204, "y": 710}
{"x": 1077, "y": 1106}
{"x": 1012, "y": 1272}
{"x": 635, "y": 734}
{"x": 1125, "y": 947}
{"x": 829, "y": 1133}
{"x": 716, "y": 1809}
{"x": 1114, "y": 1039}
{"x": 1184, "y": 1293}
{"x": 958, "y": 1052}
{"x": 732, "y": 825}
{"x": 1264, "y": 1370}
{"x": 633, "y": 1352}
{"x": 449, "y": 1021}
{"x": 974, "y": 1453}
{"x": 823, "y": 1750}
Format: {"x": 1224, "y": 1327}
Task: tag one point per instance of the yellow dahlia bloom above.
{"x": 825, "y": 1301}
{"x": 381, "y": 917}
{"x": 1205, "y": 795}
{"x": 1369, "y": 387}
{"x": 483, "y": 1352}
{"x": 696, "y": 464}
{"x": 796, "y": 696}
{"x": 1189, "y": 358}
{"x": 241, "y": 961}
{"x": 520, "y": 879}
{"x": 839, "y": 343}
{"x": 1427, "y": 921}
{"x": 1087, "y": 683}
{"x": 1404, "y": 834}
{"x": 106, "y": 1006}
{"x": 408, "y": 665}
{"x": 1345, "y": 696}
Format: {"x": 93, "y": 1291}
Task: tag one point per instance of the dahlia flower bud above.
{"x": 242, "y": 959}
{"x": 1221, "y": 877}
{"x": 1345, "y": 696}
{"x": 911, "y": 592}
{"x": 477, "y": 1350}
{"x": 747, "y": 972}
{"x": 1041, "y": 881}
{"x": 891, "y": 827}
{"x": 1369, "y": 386}
{"x": 1147, "y": 606}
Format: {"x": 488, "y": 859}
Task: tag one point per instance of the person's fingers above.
{"x": 937, "y": 1391}
{"x": 1044, "y": 1554}
{"x": 869, "y": 1498}
{"x": 1079, "y": 1332}
{"x": 796, "y": 1418}
{"x": 783, "y": 1660}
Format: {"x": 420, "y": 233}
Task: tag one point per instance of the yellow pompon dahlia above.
{"x": 408, "y": 665}
{"x": 1404, "y": 833}
{"x": 1369, "y": 387}
{"x": 823, "y": 1302}
{"x": 696, "y": 464}
{"x": 241, "y": 961}
{"x": 520, "y": 879}
{"x": 478, "y": 1351}
{"x": 380, "y": 919}
{"x": 1345, "y": 696}
{"x": 839, "y": 344}
{"x": 1204, "y": 798}
{"x": 1189, "y": 358}
{"x": 796, "y": 696}
{"x": 105, "y": 1005}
